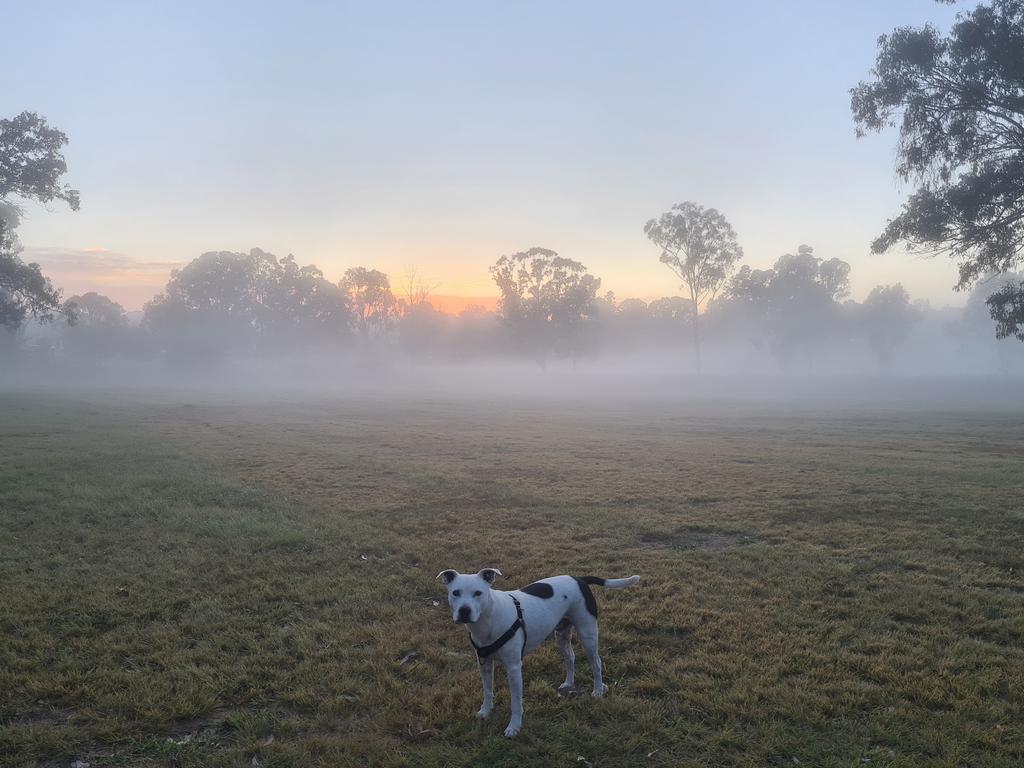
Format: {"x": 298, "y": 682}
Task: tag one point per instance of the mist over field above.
{"x": 635, "y": 378}
{"x": 814, "y": 347}
{"x": 360, "y": 361}
{"x": 254, "y": 324}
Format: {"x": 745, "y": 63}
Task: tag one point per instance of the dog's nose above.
{"x": 463, "y": 613}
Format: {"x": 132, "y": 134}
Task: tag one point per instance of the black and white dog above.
{"x": 508, "y": 625}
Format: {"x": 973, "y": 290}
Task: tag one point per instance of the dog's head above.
{"x": 469, "y": 594}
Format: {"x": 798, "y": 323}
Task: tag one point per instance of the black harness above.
{"x": 483, "y": 651}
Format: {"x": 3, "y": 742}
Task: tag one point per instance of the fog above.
{"x": 257, "y": 327}
{"x": 566, "y": 324}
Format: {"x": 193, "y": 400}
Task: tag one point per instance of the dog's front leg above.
{"x": 487, "y": 676}
{"x": 514, "y": 670}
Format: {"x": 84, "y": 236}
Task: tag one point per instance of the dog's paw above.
{"x": 483, "y": 713}
{"x": 599, "y": 692}
{"x": 567, "y": 687}
{"x": 511, "y": 731}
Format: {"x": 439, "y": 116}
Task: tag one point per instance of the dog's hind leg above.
{"x": 563, "y": 636}
{"x": 487, "y": 676}
{"x": 588, "y": 639}
{"x": 514, "y": 671}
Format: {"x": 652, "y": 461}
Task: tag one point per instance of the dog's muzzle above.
{"x": 462, "y": 617}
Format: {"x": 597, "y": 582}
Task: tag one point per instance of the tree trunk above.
{"x": 696, "y": 330}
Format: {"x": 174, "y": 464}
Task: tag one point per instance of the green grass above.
{"x": 221, "y": 585}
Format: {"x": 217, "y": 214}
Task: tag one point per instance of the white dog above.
{"x": 508, "y": 625}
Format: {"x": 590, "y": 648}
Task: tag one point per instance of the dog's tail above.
{"x": 610, "y": 583}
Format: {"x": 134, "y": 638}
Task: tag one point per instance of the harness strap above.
{"x": 483, "y": 651}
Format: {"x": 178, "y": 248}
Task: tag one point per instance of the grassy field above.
{"x": 203, "y": 584}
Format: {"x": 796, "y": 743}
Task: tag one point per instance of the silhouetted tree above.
{"x": 1006, "y": 307}
{"x": 100, "y": 329}
{"x": 227, "y": 302}
{"x": 24, "y": 290}
{"x": 605, "y": 306}
{"x": 794, "y": 305}
{"x": 634, "y": 308}
{"x": 547, "y": 301}
{"x": 670, "y": 317}
{"x": 478, "y": 332}
{"x": 93, "y": 310}
{"x": 887, "y": 317}
{"x": 31, "y": 165}
{"x": 417, "y": 290}
{"x": 370, "y": 297}
{"x": 973, "y": 328}
{"x": 700, "y": 248}
{"x": 632, "y": 321}
{"x": 211, "y": 306}
{"x": 422, "y": 330}
{"x": 305, "y": 305}
{"x": 32, "y": 161}
{"x": 957, "y": 100}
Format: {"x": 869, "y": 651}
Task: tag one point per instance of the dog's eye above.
{"x": 456, "y": 593}
{"x": 477, "y": 593}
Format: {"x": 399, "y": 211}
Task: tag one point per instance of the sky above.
{"x": 443, "y": 135}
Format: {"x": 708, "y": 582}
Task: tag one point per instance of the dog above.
{"x": 506, "y": 626}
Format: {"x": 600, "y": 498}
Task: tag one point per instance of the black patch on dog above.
{"x": 539, "y": 589}
{"x": 584, "y": 583}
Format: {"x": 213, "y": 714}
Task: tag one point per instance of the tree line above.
{"x": 955, "y": 100}
{"x": 225, "y": 305}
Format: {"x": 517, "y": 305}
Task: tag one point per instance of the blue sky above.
{"x": 445, "y": 134}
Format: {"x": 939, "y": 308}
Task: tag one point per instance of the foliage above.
{"x": 223, "y": 301}
{"x": 958, "y": 101}
{"x": 1007, "y": 308}
{"x": 698, "y": 245}
{"x": 95, "y": 310}
{"x": 972, "y": 328}
{"x": 304, "y": 300}
{"x": 32, "y": 161}
{"x": 794, "y": 305}
{"x": 548, "y": 301}
{"x": 26, "y": 292}
{"x": 421, "y": 327}
{"x": 700, "y": 248}
{"x": 416, "y": 290}
{"x": 101, "y": 330}
{"x": 369, "y": 294}
{"x": 31, "y": 164}
{"x": 887, "y": 320}
{"x": 671, "y": 310}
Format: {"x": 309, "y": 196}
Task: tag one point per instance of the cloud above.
{"x": 123, "y": 278}
{"x": 97, "y": 261}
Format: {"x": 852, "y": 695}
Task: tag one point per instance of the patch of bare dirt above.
{"x": 42, "y": 715}
{"x": 697, "y": 539}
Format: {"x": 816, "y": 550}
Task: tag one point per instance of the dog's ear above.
{"x": 489, "y": 574}
{"x": 446, "y": 576}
